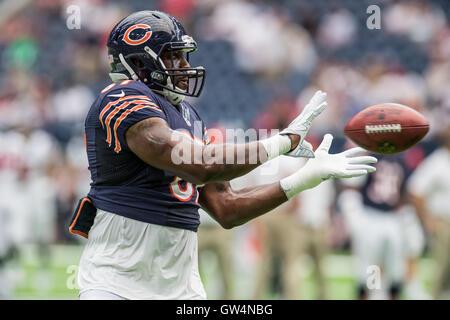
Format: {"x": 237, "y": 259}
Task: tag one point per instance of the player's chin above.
{"x": 181, "y": 81}
{"x": 182, "y": 84}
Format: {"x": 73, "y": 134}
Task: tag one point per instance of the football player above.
{"x": 143, "y": 242}
{"x": 380, "y": 234}
{"x": 429, "y": 187}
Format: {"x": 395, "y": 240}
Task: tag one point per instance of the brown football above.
{"x": 387, "y": 128}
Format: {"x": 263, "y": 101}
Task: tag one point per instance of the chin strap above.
{"x": 172, "y": 97}
{"x": 117, "y": 77}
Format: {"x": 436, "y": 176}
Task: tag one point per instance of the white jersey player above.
{"x": 429, "y": 187}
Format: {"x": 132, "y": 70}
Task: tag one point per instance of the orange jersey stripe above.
{"x": 109, "y": 105}
{"x": 117, "y": 109}
{"x": 108, "y": 120}
{"x": 124, "y": 82}
{"x": 120, "y": 119}
{"x": 108, "y": 87}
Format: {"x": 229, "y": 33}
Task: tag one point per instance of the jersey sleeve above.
{"x": 118, "y": 115}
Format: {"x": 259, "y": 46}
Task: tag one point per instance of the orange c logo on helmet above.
{"x": 139, "y": 37}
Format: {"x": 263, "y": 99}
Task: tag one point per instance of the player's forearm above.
{"x": 204, "y": 164}
{"x": 189, "y": 158}
{"x": 238, "y": 207}
{"x": 253, "y": 202}
{"x": 224, "y": 162}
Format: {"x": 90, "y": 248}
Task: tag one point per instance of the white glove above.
{"x": 302, "y": 123}
{"x": 304, "y": 150}
{"x": 281, "y": 143}
{"x": 325, "y": 166}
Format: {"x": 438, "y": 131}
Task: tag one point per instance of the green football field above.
{"x": 57, "y": 279}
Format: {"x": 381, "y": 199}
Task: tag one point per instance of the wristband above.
{"x": 299, "y": 181}
{"x": 276, "y": 145}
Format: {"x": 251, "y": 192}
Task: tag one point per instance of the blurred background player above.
{"x": 215, "y": 240}
{"x": 429, "y": 187}
{"x": 294, "y": 230}
{"x": 377, "y": 230}
{"x": 314, "y": 213}
{"x": 7, "y": 252}
{"x": 298, "y": 229}
{"x": 277, "y": 273}
{"x": 28, "y": 194}
{"x": 414, "y": 247}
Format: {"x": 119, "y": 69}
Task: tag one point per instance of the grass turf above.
{"x": 54, "y": 277}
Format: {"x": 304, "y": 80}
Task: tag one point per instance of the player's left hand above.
{"x": 347, "y": 164}
{"x": 300, "y": 125}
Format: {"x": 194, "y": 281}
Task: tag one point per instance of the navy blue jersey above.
{"x": 121, "y": 182}
{"x": 384, "y": 189}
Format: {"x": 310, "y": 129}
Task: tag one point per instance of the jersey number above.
{"x": 386, "y": 183}
{"x": 177, "y": 190}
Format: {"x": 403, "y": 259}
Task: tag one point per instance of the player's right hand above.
{"x": 346, "y": 164}
{"x": 300, "y": 125}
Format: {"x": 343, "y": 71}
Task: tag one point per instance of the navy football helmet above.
{"x": 135, "y": 46}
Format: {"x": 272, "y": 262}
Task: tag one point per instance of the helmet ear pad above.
{"x": 156, "y": 79}
{"x": 144, "y": 73}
